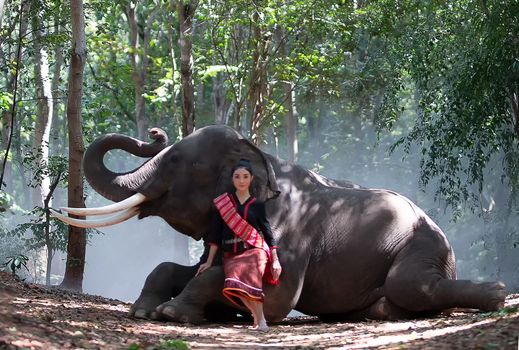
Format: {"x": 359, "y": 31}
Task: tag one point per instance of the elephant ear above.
{"x": 264, "y": 185}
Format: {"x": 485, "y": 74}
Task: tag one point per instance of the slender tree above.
{"x": 140, "y": 61}
{"x": 8, "y": 116}
{"x": 2, "y": 4}
{"x": 289, "y": 104}
{"x": 258, "y": 91}
{"x": 44, "y": 109}
{"x": 76, "y": 247}
{"x": 186, "y": 13}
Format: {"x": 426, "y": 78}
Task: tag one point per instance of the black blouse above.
{"x": 220, "y": 234}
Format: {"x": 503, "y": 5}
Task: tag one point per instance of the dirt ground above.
{"x": 36, "y": 317}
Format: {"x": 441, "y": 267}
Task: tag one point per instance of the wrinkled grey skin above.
{"x": 347, "y": 252}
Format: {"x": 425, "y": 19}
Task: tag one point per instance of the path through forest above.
{"x": 35, "y": 317}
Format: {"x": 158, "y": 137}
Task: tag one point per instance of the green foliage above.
{"x": 462, "y": 59}
{"x": 16, "y": 262}
{"x": 170, "y": 344}
{"x": 173, "y": 344}
{"x": 55, "y": 165}
{"x": 503, "y": 312}
{"x": 34, "y": 232}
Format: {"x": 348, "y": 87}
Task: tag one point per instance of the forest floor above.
{"x": 36, "y": 317}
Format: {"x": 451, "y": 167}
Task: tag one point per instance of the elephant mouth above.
{"x": 122, "y": 211}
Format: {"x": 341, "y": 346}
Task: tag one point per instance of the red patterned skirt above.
{"x": 244, "y": 275}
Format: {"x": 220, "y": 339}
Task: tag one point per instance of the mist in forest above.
{"x": 119, "y": 260}
{"x": 484, "y": 240}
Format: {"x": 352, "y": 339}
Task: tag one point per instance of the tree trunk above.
{"x": 77, "y": 236}
{"x": 44, "y": 110}
{"x": 57, "y": 120}
{"x": 138, "y": 74}
{"x": 186, "y": 11}
{"x": 219, "y": 100}
{"x": 258, "y": 82}
{"x": 290, "y": 108}
{"x": 515, "y": 111}
{"x": 291, "y": 122}
{"x": 173, "y": 56}
{"x": 506, "y": 250}
{"x": 7, "y": 116}
{"x": 2, "y": 5}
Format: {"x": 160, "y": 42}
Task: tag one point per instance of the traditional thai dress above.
{"x": 243, "y": 233}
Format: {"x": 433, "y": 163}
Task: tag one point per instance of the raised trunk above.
{"x": 119, "y": 186}
{"x": 76, "y": 246}
{"x": 186, "y": 11}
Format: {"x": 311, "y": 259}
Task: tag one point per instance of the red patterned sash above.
{"x": 242, "y": 229}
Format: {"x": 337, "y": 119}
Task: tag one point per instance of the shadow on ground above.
{"x": 35, "y": 317}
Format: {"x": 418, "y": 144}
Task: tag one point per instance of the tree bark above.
{"x": 173, "y": 88}
{"x": 77, "y": 236}
{"x": 258, "y": 82}
{"x": 138, "y": 74}
{"x": 186, "y": 12}
{"x": 290, "y": 108}
{"x": 44, "y": 110}
{"x": 515, "y": 111}
{"x": 8, "y": 115}
{"x": 57, "y": 120}
{"x": 2, "y": 5}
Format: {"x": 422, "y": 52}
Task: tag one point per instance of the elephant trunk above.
{"x": 119, "y": 186}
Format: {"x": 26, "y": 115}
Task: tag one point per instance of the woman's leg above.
{"x": 257, "y": 310}
{"x": 251, "y": 308}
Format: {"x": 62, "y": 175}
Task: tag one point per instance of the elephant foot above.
{"x": 145, "y": 307}
{"x": 177, "y": 311}
{"x": 494, "y": 295}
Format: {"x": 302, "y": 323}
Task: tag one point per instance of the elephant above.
{"x": 348, "y": 252}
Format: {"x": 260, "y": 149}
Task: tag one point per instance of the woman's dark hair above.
{"x": 243, "y": 164}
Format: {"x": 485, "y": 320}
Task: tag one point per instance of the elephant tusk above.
{"x": 112, "y": 220}
{"x": 129, "y": 202}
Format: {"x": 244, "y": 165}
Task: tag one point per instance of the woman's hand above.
{"x": 212, "y": 252}
{"x": 203, "y": 267}
{"x": 276, "y": 269}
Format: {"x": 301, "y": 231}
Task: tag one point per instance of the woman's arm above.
{"x": 264, "y": 226}
{"x": 210, "y": 258}
{"x": 271, "y": 242}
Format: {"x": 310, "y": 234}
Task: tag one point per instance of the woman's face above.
{"x": 241, "y": 179}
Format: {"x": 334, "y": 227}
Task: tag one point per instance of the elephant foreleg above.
{"x": 166, "y": 281}
{"x": 200, "y": 300}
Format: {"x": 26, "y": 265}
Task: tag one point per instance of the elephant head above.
{"x": 178, "y": 183}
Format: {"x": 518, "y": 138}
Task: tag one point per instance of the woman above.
{"x": 240, "y": 227}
